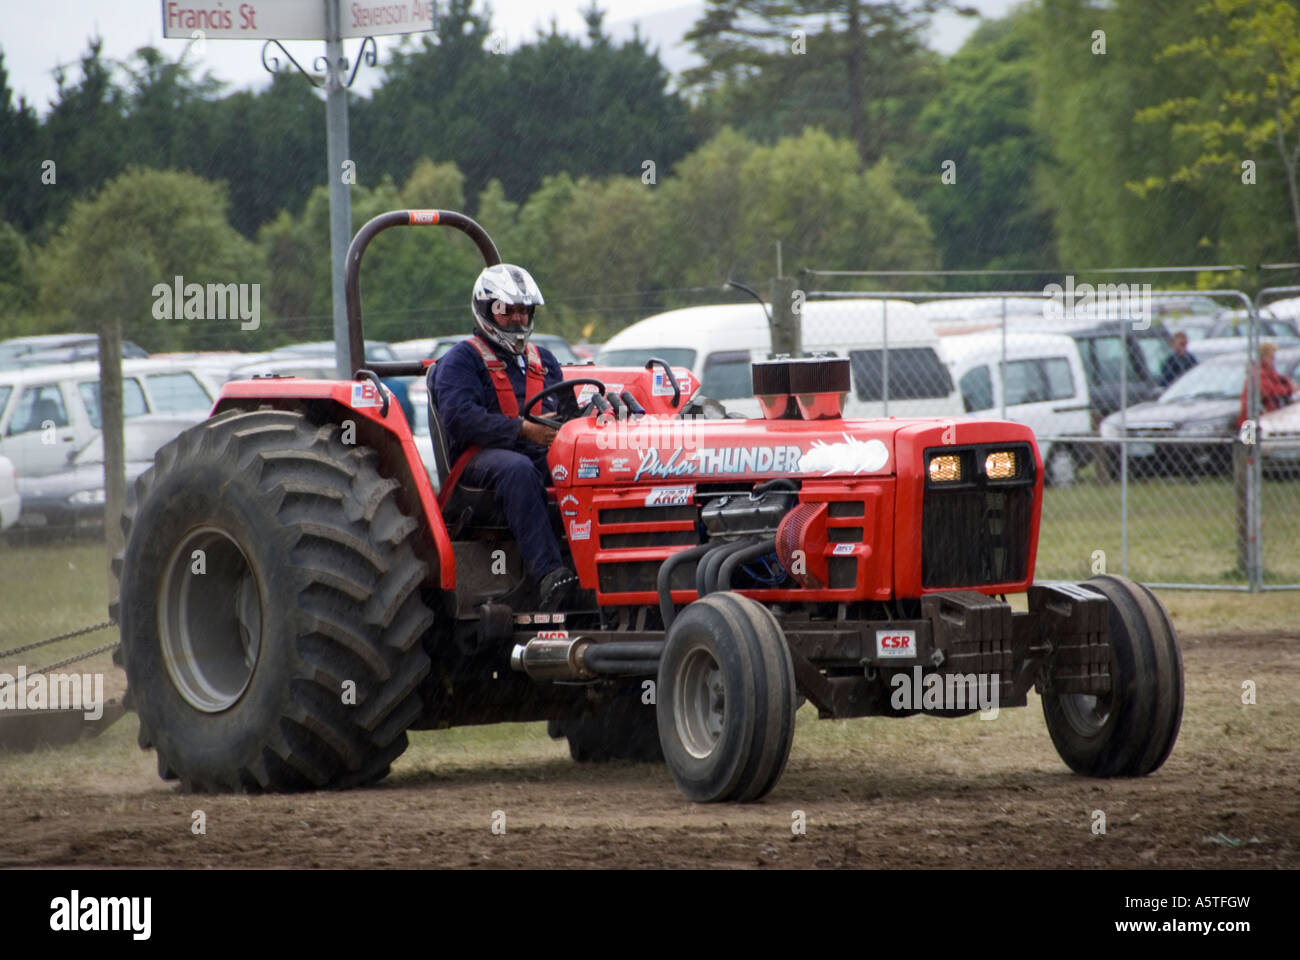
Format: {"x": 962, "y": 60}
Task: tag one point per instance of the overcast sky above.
{"x": 37, "y": 36}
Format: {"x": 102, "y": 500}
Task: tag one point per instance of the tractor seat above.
{"x": 467, "y": 506}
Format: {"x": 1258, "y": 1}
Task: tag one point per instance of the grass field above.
{"x": 1180, "y": 531}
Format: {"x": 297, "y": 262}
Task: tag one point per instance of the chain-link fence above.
{"x": 1174, "y": 464}
{"x": 1171, "y": 447}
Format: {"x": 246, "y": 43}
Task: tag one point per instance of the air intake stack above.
{"x": 814, "y": 388}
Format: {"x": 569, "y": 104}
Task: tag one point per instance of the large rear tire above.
{"x": 1130, "y": 731}
{"x": 271, "y": 610}
{"x": 726, "y": 699}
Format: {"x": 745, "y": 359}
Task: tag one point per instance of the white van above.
{"x": 1044, "y": 386}
{"x": 718, "y": 343}
{"x": 47, "y": 411}
{"x": 976, "y": 314}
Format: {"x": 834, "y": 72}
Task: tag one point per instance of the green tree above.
{"x": 16, "y": 281}
{"x": 1250, "y": 113}
{"x": 143, "y": 228}
{"x": 1085, "y": 104}
{"x": 989, "y": 216}
{"x": 22, "y": 196}
{"x": 857, "y": 68}
{"x": 554, "y": 104}
{"x": 806, "y": 192}
{"x": 84, "y": 133}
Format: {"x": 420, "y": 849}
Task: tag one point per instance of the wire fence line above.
{"x": 1177, "y": 465}
{"x": 1174, "y": 471}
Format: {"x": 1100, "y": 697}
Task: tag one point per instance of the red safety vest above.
{"x": 534, "y": 380}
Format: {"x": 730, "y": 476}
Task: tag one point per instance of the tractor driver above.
{"x": 480, "y": 387}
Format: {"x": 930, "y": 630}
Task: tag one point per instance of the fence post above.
{"x": 786, "y": 324}
{"x": 1241, "y": 490}
{"x": 111, "y": 414}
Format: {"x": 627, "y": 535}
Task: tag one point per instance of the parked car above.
{"x": 718, "y": 344}
{"x": 420, "y": 430}
{"x": 1228, "y": 333}
{"x": 375, "y": 350}
{"x": 72, "y": 499}
{"x": 1203, "y": 404}
{"x": 1279, "y": 442}
{"x": 415, "y": 349}
{"x": 11, "y": 500}
{"x": 556, "y": 344}
{"x": 50, "y": 348}
{"x": 45, "y": 411}
{"x": 1101, "y": 349}
{"x": 287, "y": 365}
{"x": 1043, "y": 386}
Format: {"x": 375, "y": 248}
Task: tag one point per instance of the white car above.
{"x": 1279, "y": 441}
{"x": 11, "y": 501}
{"x": 47, "y": 411}
{"x": 1043, "y": 386}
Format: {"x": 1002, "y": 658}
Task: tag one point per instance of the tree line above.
{"x": 1063, "y": 134}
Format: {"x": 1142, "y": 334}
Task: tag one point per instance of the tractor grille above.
{"x": 977, "y": 532}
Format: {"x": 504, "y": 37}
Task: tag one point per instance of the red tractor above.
{"x": 295, "y": 595}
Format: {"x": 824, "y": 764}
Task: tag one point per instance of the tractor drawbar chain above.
{"x": 65, "y": 636}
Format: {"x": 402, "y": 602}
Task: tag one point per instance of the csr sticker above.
{"x": 899, "y": 644}
{"x": 364, "y": 394}
{"x": 670, "y": 496}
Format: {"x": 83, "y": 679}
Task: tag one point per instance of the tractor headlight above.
{"x": 945, "y": 469}
{"x": 1000, "y": 465}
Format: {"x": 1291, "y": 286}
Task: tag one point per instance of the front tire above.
{"x": 1130, "y": 731}
{"x": 726, "y": 699}
{"x": 271, "y": 610}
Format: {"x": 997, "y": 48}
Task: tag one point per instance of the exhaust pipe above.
{"x": 545, "y": 658}
{"x": 577, "y": 658}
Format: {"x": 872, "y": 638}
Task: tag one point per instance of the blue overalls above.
{"x": 513, "y": 468}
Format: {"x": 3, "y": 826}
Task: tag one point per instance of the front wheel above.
{"x": 271, "y": 610}
{"x": 1129, "y": 731}
{"x": 726, "y": 695}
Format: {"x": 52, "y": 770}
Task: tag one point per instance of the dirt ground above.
{"x": 873, "y": 793}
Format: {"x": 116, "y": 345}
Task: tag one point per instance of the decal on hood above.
{"x": 851, "y": 456}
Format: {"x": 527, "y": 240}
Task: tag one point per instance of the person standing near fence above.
{"x": 1275, "y": 389}
{"x": 1178, "y": 362}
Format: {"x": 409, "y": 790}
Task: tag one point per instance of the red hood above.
{"x": 664, "y": 450}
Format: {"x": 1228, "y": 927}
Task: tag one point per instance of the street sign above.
{"x": 293, "y": 19}
{"x": 377, "y": 18}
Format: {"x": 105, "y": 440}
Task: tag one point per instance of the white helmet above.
{"x": 505, "y": 285}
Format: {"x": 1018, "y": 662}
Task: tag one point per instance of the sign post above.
{"x": 332, "y": 21}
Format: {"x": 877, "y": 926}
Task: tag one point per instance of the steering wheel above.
{"x": 597, "y": 401}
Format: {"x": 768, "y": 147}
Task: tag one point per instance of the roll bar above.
{"x": 400, "y": 218}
